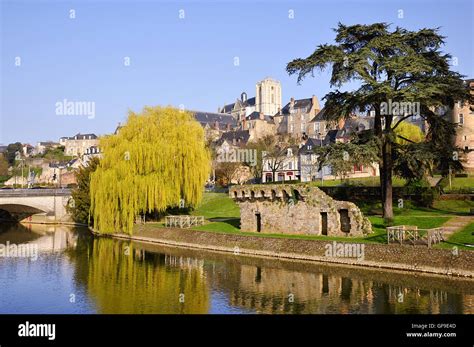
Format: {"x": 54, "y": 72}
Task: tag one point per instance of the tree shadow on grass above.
{"x": 378, "y": 238}
{"x": 454, "y": 213}
{"x": 235, "y": 222}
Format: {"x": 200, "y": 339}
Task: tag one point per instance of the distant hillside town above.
{"x": 234, "y": 129}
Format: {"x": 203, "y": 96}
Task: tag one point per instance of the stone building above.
{"x": 294, "y": 119}
{"x": 297, "y": 209}
{"x": 214, "y": 124}
{"x": 281, "y": 168}
{"x": 266, "y": 101}
{"x": 78, "y": 144}
{"x": 241, "y": 108}
{"x": 463, "y": 115}
{"x": 41, "y": 147}
{"x": 268, "y": 96}
{"x": 258, "y": 125}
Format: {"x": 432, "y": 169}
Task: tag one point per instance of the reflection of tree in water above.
{"x": 415, "y": 301}
{"x": 122, "y": 279}
{"x": 151, "y": 281}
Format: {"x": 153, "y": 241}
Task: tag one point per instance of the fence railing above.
{"x": 410, "y": 234}
{"x": 183, "y": 221}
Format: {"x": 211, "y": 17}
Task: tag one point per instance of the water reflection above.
{"x": 111, "y": 276}
{"x": 275, "y": 290}
{"x": 122, "y": 279}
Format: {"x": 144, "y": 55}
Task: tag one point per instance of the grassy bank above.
{"x": 459, "y": 239}
{"x": 223, "y": 216}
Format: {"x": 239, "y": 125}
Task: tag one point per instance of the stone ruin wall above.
{"x": 296, "y": 209}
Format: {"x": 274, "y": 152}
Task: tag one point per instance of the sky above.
{"x": 123, "y": 55}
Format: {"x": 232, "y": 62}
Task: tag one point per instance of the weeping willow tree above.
{"x": 156, "y": 160}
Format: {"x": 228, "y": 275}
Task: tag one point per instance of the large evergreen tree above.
{"x": 397, "y": 66}
{"x": 155, "y": 161}
{"x": 80, "y": 204}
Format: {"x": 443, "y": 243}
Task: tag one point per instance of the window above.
{"x": 291, "y": 128}
{"x": 316, "y": 127}
{"x": 461, "y": 119}
{"x": 302, "y": 117}
{"x": 290, "y": 166}
{"x": 309, "y": 147}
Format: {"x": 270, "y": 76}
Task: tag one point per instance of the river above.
{"x": 75, "y": 272}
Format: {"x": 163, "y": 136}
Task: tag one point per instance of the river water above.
{"x": 74, "y": 272}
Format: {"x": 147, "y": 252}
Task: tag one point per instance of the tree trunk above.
{"x": 386, "y": 180}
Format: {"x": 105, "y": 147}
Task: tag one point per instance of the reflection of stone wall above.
{"x": 297, "y": 209}
{"x": 273, "y": 290}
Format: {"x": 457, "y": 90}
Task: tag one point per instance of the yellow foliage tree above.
{"x": 155, "y": 161}
{"x": 408, "y": 131}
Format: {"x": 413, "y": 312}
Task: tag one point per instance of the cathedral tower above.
{"x": 268, "y": 96}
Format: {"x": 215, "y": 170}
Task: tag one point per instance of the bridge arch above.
{"x": 36, "y": 206}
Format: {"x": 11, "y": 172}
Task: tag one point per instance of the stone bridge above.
{"x": 35, "y": 205}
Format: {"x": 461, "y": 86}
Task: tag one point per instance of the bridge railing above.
{"x": 34, "y": 192}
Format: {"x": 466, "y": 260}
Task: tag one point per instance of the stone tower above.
{"x": 268, "y": 96}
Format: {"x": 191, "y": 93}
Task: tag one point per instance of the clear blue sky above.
{"x": 178, "y": 61}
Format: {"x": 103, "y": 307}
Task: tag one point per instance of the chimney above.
{"x": 315, "y": 104}
{"x": 292, "y": 102}
{"x": 261, "y": 116}
{"x": 216, "y": 125}
{"x": 228, "y": 126}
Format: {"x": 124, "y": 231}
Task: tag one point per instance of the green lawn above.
{"x": 223, "y": 216}
{"x": 462, "y": 182}
{"x": 460, "y": 238}
{"x": 454, "y": 206}
{"x": 217, "y": 205}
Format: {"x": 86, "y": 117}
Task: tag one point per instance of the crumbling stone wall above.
{"x": 297, "y": 209}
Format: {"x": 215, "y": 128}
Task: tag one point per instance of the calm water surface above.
{"x": 78, "y": 273}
